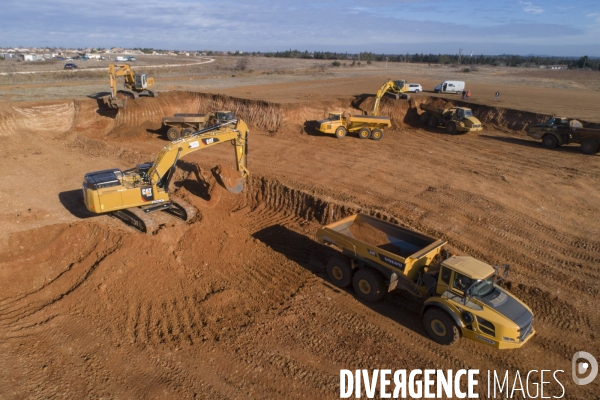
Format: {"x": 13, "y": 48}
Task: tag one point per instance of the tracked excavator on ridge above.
{"x": 130, "y": 195}
{"x": 136, "y": 85}
{"x": 397, "y": 88}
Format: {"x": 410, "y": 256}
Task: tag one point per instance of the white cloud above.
{"x": 529, "y": 7}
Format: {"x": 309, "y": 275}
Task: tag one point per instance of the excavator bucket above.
{"x": 230, "y": 179}
{"x": 114, "y": 103}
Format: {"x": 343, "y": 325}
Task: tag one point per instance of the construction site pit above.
{"x": 236, "y": 302}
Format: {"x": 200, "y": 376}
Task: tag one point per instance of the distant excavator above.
{"x": 136, "y": 84}
{"x": 130, "y": 195}
{"x": 398, "y": 88}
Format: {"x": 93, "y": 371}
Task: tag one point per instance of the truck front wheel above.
{"x": 440, "y": 326}
{"x": 340, "y": 132}
{"x": 368, "y": 285}
{"x": 549, "y": 141}
{"x": 589, "y": 147}
{"x": 339, "y": 271}
{"x": 173, "y": 134}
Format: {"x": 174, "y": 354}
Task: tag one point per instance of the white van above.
{"x": 450, "y": 87}
{"x": 121, "y": 58}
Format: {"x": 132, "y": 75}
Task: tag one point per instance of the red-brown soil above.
{"x": 236, "y": 304}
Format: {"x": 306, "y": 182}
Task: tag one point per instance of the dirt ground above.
{"x": 237, "y": 304}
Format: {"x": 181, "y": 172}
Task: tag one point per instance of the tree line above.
{"x": 510, "y": 60}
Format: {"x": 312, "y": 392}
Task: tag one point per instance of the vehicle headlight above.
{"x": 507, "y": 339}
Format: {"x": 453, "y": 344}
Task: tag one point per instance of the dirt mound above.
{"x": 368, "y": 233}
{"x": 440, "y": 103}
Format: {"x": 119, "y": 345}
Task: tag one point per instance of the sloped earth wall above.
{"x": 143, "y": 116}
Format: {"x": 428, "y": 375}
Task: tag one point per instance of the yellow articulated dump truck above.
{"x": 454, "y": 119}
{"x": 460, "y": 294}
{"x": 367, "y": 126}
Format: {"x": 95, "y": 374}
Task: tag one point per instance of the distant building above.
{"x": 559, "y": 67}
{"x": 31, "y": 57}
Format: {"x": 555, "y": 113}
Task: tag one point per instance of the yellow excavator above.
{"x": 130, "y": 195}
{"x": 136, "y": 84}
{"x": 397, "y": 88}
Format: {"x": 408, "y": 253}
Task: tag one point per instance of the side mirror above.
{"x": 468, "y": 295}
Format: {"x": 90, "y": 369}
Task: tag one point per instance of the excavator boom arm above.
{"x": 234, "y": 131}
{"x": 385, "y": 88}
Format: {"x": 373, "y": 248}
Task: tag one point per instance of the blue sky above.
{"x": 381, "y": 26}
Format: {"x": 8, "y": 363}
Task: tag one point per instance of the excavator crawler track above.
{"x": 137, "y": 219}
{"x": 182, "y": 210}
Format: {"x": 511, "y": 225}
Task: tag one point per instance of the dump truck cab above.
{"x": 466, "y": 291}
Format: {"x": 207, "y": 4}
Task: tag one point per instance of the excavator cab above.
{"x": 140, "y": 81}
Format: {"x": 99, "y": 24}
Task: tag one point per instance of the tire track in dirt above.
{"x": 522, "y": 243}
{"x": 29, "y": 309}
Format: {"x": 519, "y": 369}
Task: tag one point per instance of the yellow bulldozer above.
{"x": 135, "y": 85}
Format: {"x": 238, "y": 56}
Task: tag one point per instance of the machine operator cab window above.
{"x": 334, "y": 117}
{"x": 460, "y": 114}
{"x": 444, "y": 279}
{"x": 222, "y": 117}
{"x": 464, "y": 286}
{"x": 140, "y": 81}
{"x": 550, "y": 122}
{"x": 461, "y": 283}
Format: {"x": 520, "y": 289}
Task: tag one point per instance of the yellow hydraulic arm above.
{"x": 389, "y": 86}
{"x": 235, "y": 131}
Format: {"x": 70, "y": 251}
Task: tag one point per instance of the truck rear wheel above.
{"x": 424, "y": 117}
{"x": 451, "y": 128}
{"x": 377, "y": 134}
{"x": 187, "y": 132}
{"x": 440, "y": 326}
{"x": 364, "y": 133}
{"x": 549, "y": 141}
{"x": 589, "y": 147}
{"x": 368, "y": 285}
{"x": 339, "y": 271}
{"x": 340, "y": 132}
{"x": 173, "y": 134}
{"x": 431, "y": 122}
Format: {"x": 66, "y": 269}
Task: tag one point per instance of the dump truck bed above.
{"x": 370, "y": 119}
{"x": 181, "y": 118}
{"x": 372, "y": 240}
